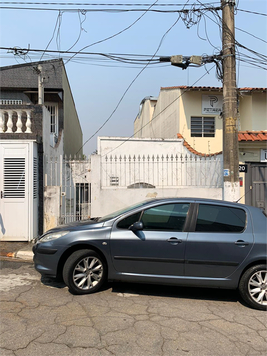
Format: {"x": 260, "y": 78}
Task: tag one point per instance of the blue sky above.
{"x": 99, "y": 85}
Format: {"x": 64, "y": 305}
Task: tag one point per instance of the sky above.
{"x": 108, "y": 93}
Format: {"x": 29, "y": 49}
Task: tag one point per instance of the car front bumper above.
{"x": 46, "y": 260}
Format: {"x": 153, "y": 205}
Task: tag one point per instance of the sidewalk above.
{"x": 16, "y": 250}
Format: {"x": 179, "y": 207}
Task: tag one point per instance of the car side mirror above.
{"x": 137, "y": 226}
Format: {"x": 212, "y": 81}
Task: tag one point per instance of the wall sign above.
{"x": 212, "y": 104}
{"x": 263, "y": 155}
{"x": 243, "y": 168}
{"x": 226, "y": 173}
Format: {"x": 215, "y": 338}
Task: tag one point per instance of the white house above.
{"x": 30, "y": 129}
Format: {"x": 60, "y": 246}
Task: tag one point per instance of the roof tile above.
{"x": 192, "y": 150}
{"x": 252, "y": 136}
{"x": 210, "y": 88}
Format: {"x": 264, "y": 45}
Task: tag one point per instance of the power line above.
{"x": 109, "y": 7}
{"x": 153, "y": 118}
{"x": 102, "y": 10}
{"x": 262, "y": 59}
{"x": 95, "y": 4}
{"x": 252, "y": 12}
{"x": 129, "y": 86}
{"x": 118, "y": 33}
{"x": 127, "y": 59}
{"x": 186, "y": 15}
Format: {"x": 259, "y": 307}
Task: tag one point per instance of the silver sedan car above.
{"x": 175, "y": 241}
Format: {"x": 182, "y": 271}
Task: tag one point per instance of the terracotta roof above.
{"x": 253, "y": 89}
{"x": 190, "y": 88}
{"x": 252, "y": 136}
{"x": 242, "y": 136}
{"x": 211, "y": 88}
{"x": 192, "y": 150}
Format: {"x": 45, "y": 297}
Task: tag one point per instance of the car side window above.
{"x": 169, "y": 217}
{"x": 216, "y": 218}
{"x": 127, "y": 222}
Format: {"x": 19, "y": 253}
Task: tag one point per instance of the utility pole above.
{"x": 40, "y": 85}
{"x": 230, "y": 130}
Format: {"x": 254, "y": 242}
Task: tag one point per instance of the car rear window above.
{"x": 216, "y": 218}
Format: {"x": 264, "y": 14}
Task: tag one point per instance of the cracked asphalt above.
{"x": 40, "y": 317}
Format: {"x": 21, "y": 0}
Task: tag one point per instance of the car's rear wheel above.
{"x": 253, "y": 287}
{"x": 84, "y": 272}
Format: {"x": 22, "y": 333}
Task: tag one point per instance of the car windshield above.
{"x": 122, "y": 211}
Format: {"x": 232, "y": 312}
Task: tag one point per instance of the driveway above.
{"x": 40, "y": 317}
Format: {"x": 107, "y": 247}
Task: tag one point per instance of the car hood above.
{"x": 78, "y": 225}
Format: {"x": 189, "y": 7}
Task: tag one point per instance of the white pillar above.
{"x": 28, "y": 122}
{"x": 9, "y": 121}
{"x": 2, "y": 121}
{"x": 19, "y": 122}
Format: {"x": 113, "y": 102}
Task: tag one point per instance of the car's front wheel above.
{"x": 84, "y": 272}
{"x": 253, "y": 287}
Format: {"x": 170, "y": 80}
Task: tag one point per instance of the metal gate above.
{"x": 256, "y": 185}
{"x": 72, "y": 179}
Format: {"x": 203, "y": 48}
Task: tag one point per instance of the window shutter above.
{"x": 14, "y": 178}
{"x": 35, "y": 178}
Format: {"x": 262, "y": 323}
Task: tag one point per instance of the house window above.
{"x": 53, "y": 110}
{"x": 202, "y": 126}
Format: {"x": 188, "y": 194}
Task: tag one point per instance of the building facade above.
{"x": 37, "y": 117}
{"x": 195, "y": 114}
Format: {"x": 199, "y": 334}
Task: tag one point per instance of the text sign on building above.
{"x": 243, "y": 168}
{"x": 212, "y": 104}
{"x": 263, "y": 155}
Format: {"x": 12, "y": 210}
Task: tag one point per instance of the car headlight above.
{"x": 53, "y": 236}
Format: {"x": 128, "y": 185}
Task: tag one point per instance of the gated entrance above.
{"x": 67, "y": 190}
{"x": 256, "y": 185}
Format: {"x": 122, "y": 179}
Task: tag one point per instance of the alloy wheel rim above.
{"x": 87, "y": 273}
{"x": 257, "y": 287}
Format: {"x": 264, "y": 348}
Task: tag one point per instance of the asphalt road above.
{"x": 41, "y": 317}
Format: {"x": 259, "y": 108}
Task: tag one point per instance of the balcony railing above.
{"x": 15, "y": 121}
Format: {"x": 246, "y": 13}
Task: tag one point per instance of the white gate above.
{"x": 71, "y": 179}
{"x": 19, "y": 191}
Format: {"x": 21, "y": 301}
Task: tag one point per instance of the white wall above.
{"x": 125, "y": 146}
{"x": 49, "y": 150}
{"x": 106, "y": 200}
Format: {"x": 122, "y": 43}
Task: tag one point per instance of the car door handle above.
{"x": 241, "y": 243}
{"x": 174, "y": 241}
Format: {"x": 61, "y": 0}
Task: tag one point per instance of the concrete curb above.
{"x": 24, "y": 255}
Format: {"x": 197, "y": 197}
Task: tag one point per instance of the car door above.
{"x": 221, "y": 241}
{"x": 158, "y": 249}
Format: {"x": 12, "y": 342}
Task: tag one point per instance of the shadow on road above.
{"x": 52, "y": 282}
{"x": 224, "y": 295}
{"x": 176, "y": 292}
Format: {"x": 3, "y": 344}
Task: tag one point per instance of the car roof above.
{"x": 197, "y": 200}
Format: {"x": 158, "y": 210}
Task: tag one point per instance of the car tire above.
{"x": 84, "y": 272}
{"x": 253, "y": 287}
